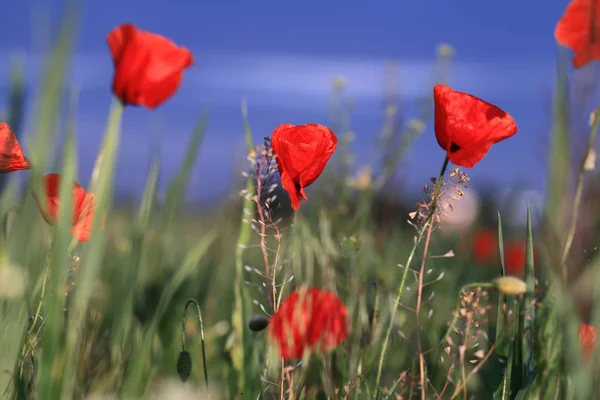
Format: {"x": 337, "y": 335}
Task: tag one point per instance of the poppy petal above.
{"x": 83, "y": 206}
{"x": 11, "y": 154}
{"x": 466, "y": 127}
{"x": 311, "y": 319}
{"x": 301, "y": 153}
{"x": 579, "y": 30}
{"x": 148, "y": 67}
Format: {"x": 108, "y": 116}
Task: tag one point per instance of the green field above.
{"x": 111, "y": 323}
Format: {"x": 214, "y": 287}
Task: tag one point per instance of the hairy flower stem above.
{"x": 457, "y": 308}
{"x": 578, "y": 193}
{"x": 183, "y": 323}
{"x": 405, "y": 274}
{"x": 422, "y": 371}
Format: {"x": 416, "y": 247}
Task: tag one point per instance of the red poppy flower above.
{"x": 578, "y": 29}
{"x": 148, "y": 67}
{"x": 83, "y": 206}
{"x": 587, "y": 339}
{"x": 466, "y": 127}
{"x": 312, "y": 319}
{"x": 11, "y": 155}
{"x": 302, "y": 152}
{"x": 485, "y": 246}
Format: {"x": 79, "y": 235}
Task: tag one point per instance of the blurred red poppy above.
{"x": 302, "y": 152}
{"x": 148, "y": 67}
{"x": 587, "y": 339}
{"x": 578, "y": 29}
{"x": 11, "y": 156}
{"x": 466, "y": 127}
{"x": 83, "y": 206}
{"x": 485, "y": 246}
{"x": 312, "y": 319}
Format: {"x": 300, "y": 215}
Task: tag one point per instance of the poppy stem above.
{"x": 578, "y": 193}
{"x": 405, "y": 274}
{"x": 183, "y": 323}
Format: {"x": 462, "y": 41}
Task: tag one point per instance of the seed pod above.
{"x": 510, "y": 285}
{"x": 184, "y": 366}
{"x": 258, "y": 322}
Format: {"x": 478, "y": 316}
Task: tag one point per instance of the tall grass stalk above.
{"x": 392, "y": 322}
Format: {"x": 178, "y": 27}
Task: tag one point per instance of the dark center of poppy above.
{"x": 297, "y": 186}
{"x": 454, "y": 147}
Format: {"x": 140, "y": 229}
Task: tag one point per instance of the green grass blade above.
{"x": 16, "y": 103}
{"x": 177, "y": 187}
{"x": 503, "y": 347}
{"x": 239, "y": 351}
{"x": 136, "y": 382}
{"x": 52, "y": 364}
{"x": 528, "y": 315}
{"x": 93, "y": 255}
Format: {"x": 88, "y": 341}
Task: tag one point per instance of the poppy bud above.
{"x": 184, "y": 366}
{"x": 510, "y": 285}
{"x": 258, "y": 322}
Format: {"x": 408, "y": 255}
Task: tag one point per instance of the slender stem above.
{"x": 579, "y": 192}
{"x": 474, "y": 371}
{"x": 457, "y": 308}
{"x": 405, "y": 274}
{"x": 263, "y": 237}
{"x": 462, "y": 351}
{"x": 418, "y": 313}
{"x": 38, "y": 311}
{"x": 183, "y": 323}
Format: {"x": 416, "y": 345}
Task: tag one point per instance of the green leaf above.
{"x": 528, "y": 315}
{"x": 177, "y": 187}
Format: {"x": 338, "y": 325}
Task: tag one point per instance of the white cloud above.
{"x": 309, "y": 78}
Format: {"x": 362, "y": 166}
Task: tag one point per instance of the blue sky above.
{"x": 282, "y": 59}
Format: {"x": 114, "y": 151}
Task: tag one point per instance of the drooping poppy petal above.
{"x": 148, "y": 67}
{"x": 485, "y": 246}
{"x": 587, "y": 339}
{"x": 302, "y": 152}
{"x": 312, "y": 319}
{"x": 579, "y": 30}
{"x": 466, "y": 127}
{"x": 11, "y": 154}
{"x": 83, "y": 206}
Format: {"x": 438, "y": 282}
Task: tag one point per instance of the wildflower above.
{"x": 467, "y": 127}
{"x": 510, "y": 285}
{"x": 363, "y": 179}
{"x": 302, "y": 152}
{"x": 445, "y": 50}
{"x": 485, "y": 246}
{"x": 83, "y": 206}
{"x": 587, "y": 339}
{"x": 577, "y": 30}
{"x": 312, "y": 319}
{"x": 148, "y": 67}
{"x": 11, "y": 154}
